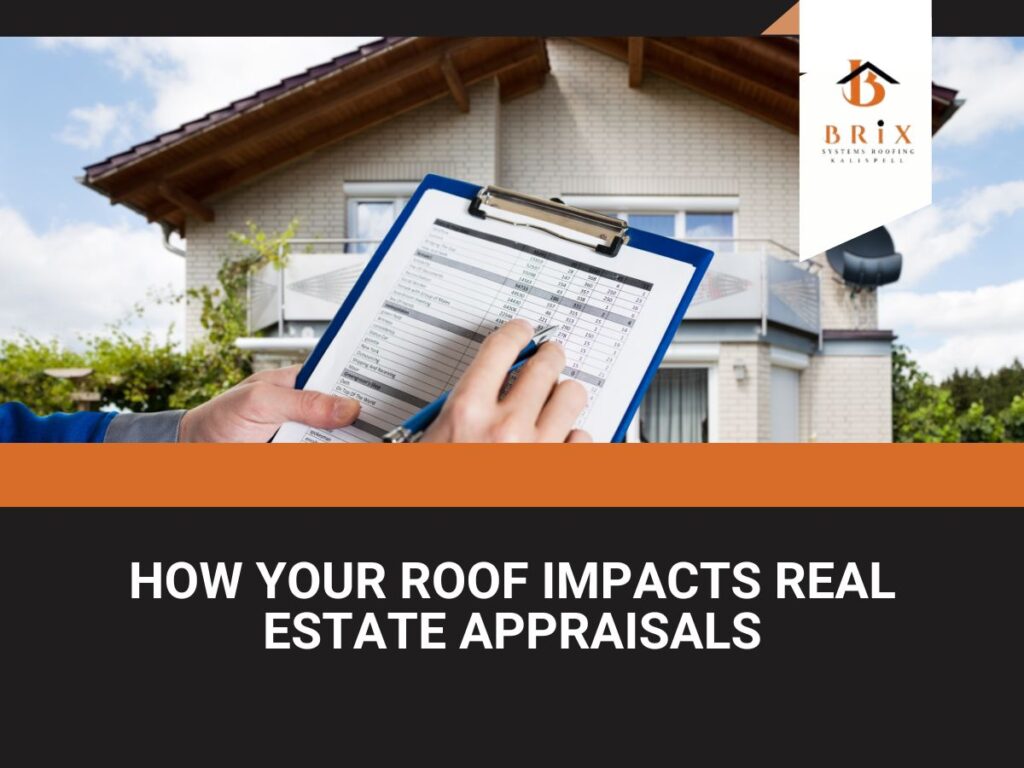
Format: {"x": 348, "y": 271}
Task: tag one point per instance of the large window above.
{"x": 675, "y": 408}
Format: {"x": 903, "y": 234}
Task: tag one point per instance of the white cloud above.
{"x": 943, "y": 173}
{"x": 932, "y": 236}
{"x": 91, "y": 127}
{"x": 190, "y": 76}
{"x": 78, "y": 278}
{"x": 983, "y": 327}
{"x": 989, "y": 73}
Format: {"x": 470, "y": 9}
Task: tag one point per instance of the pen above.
{"x": 413, "y": 428}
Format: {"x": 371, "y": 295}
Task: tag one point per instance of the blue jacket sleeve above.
{"x": 19, "y": 425}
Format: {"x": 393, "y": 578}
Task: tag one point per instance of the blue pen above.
{"x": 413, "y": 428}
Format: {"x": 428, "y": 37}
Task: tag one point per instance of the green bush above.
{"x": 931, "y": 420}
{"x": 144, "y": 373}
{"x": 921, "y": 412}
{"x": 976, "y": 426}
{"x": 1013, "y": 420}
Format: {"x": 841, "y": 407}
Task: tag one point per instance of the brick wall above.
{"x": 847, "y": 399}
{"x": 744, "y": 407}
{"x": 843, "y": 308}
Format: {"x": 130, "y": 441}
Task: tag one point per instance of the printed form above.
{"x": 450, "y": 279}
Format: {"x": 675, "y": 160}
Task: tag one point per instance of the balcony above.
{"x": 756, "y": 279}
{"x": 749, "y": 279}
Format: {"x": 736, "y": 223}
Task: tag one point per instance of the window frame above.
{"x": 657, "y": 205}
{"x": 395, "y": 192}
{"x": 690, "y": 355}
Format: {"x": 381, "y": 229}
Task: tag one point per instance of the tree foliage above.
{"x": 968, "y": 407}
{"x": 996, "y": 390}
{"x": 1013, "y": 420}
{"x": 921, "y": 412}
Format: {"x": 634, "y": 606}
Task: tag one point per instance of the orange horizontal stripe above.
{"x": 512, "y": 475}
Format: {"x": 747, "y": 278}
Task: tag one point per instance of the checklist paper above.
{"x": 450, "y": 279}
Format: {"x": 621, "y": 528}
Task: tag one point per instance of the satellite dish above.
{"x": 867, "y": 260}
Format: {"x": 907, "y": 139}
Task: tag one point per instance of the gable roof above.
{"x": 171, "y": 176}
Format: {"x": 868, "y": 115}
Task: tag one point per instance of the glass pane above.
{"x": 702, "y": 225}
{"x": 373, "y": 220}
{"x": 675, "y": 408}
{"x": 658, "y": 223}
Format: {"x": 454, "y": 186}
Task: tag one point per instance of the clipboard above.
{"x": 556, "y": 226}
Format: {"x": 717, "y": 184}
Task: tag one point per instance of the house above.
{"x": 690, "y": 137}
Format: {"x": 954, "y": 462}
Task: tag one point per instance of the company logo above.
{"x": 872, "y": 82}
{"x": 859, "y": 144}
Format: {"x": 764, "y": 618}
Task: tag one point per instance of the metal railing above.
{"x": 750, "y": 278}
{"x": 277, "y": 279}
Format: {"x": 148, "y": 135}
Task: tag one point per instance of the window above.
{"x": 675, "y": 408}
{"x": 707, "y": 221}
{"x": 710, "y": 230}
{"x": 658, "y": 223}
{"x": 701, "y": 226}
{"x": 372, "y": 207}
{"x": 370, "y": 219}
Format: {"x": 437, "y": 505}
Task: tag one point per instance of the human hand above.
{"x": 537, "y": 409}
{"x": 253, "y": 410}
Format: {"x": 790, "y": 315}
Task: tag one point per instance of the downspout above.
{"x": 167, "y": 229}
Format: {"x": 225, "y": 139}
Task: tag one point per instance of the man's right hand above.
{"x": 537, "y": 409}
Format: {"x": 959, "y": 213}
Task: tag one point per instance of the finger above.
{"x": 579, "y": 436}
{"x": 561, "y": 411}
{"x": 534, "y": 382}
{"x": 276, "y": 405}
{"x": 279, "y": 377}
{"x": 485, "y": 375}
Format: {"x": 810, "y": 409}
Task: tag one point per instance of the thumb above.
{"x": 314, "y": 409}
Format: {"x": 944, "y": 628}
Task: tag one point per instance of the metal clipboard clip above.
{"x": 595, "y": 230}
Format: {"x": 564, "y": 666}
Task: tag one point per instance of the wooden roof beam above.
{"x": 618, "y": 48}
{"x": 788, "y": 120}
{"x": 455, "y": 84}
{"x": 636, "y": 61}
{"x": 724, "y": 56}
{"x": 184, "y": 201}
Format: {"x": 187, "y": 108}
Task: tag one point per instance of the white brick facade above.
{"x": 847, "y": 399}
{"x": 586, "y": 133}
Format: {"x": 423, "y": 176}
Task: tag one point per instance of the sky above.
{"x": 71, "y": 264}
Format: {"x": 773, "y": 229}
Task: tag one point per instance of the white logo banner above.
{"x": 865, "y": 117}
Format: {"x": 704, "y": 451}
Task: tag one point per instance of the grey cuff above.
{"x": 144, "y": 427}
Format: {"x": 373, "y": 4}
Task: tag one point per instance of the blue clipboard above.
{"x": 698, "y": 257}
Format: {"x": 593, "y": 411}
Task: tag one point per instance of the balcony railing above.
{"x": 757, "y": 279}
{"x": 318, "y": 276}
{"x": 749, "y": 279}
